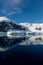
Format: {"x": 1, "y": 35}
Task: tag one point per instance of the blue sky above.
{"x": 22, "y": 10}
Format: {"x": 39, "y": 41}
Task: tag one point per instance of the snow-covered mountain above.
{"x": 33, "y": 27}
{"x": 4, "y": 19}
{"x": 7, "y": 24}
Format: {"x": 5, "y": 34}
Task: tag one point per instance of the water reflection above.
{"x": 6, "y": 42}
{"x": 33, "y": 40}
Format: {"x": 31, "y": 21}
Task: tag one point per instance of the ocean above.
{"x": 27, "y": 50}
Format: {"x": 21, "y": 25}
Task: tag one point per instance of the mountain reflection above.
{"x": 6, "y": 43}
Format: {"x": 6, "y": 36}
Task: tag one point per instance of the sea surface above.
{"x": 25, "y": 50}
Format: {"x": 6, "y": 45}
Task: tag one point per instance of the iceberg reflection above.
{"x": 33, "y": 40}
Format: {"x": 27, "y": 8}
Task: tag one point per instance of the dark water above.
{"x": 17, "y": 51}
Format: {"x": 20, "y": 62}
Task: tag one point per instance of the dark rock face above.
{"x": 5, "y": 26}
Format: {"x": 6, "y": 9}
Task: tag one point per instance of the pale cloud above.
{"x": 12, "y": 6}
{"x": 17, "y": 11}
{"x": 10, "y": 13}
{"x": 4, "y": 11}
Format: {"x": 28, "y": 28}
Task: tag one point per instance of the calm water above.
{"x": 21, "y": 50}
